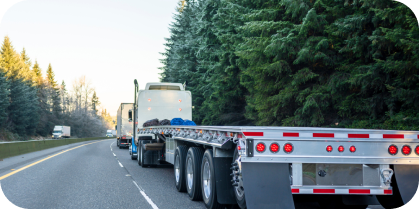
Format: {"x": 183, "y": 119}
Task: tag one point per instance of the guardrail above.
{"x": 11, "y": 149}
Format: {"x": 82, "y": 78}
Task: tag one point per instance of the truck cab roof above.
{"x": 164, "y": 86}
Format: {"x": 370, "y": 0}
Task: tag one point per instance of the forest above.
{"x": 312, "y": 63}
{"x": 31, "y": 104}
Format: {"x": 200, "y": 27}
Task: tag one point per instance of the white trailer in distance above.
{"x": 124, "y": 125}
{"x": 263, "y": 167}
{"x": 61, "y": 132}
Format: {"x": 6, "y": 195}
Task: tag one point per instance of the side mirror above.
{"x": 130, "y": 116}
{"x": 115, "y": 127}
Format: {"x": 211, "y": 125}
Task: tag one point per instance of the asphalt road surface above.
{"x": 93, "y": 174}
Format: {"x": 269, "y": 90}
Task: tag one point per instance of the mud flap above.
{"x": 407, "y": 178}
{"x": 225, "y": 191}
{"x": 267, "y": 185}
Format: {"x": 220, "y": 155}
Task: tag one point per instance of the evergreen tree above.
{"x": 4, "y": 98}
{"x": 95, "y": 103}
{"x": 55, "y": 93}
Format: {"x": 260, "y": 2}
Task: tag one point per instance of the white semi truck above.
{"x": 264, "y": 167}
{"x": 61, "y": 132}
{"x": 124, "y": 125}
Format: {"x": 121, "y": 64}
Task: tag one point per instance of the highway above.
{"x": 93, "y": 174}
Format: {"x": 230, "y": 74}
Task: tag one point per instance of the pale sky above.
{"x": 112, "y": 42}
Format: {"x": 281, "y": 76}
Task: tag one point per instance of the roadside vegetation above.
{"x": 320, "y": 63}
{"x": 31, "y": 103}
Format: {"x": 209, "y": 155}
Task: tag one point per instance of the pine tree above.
{"x": 51, "y": 77}
{"x": 4, "y": 98}
{"x": 95, "y": 103}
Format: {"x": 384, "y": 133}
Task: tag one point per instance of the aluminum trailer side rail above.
{"x": 310, "y": 160}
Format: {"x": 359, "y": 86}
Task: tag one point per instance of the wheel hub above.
{"x": 189, "y": 171}
{"x": 206, "y": 178}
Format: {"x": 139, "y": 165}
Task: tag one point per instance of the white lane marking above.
{"x": 113, "y": 154}
{"x": 120, "y": 164}
{"x": 110, "y": 146}
{"x": 154, "y": 206}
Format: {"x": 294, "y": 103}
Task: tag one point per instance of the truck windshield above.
{"x": 56, "y": 132}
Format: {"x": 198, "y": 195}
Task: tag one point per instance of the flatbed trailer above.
{"x": 263, "y": 167}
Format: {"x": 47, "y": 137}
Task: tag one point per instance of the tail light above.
{"x": 352, "y": 149}
{"x": 260, "y": 147}
{"x": 417, "y": 150}
{"x": 406, "y": 150}
{"x": 288, "y": 148}
{"x": 341, "y": 149}
{"x": 123, "y": 137}
{"x": 329, "y": 148}
{"x": 274, "y": 147}
{"x": 239, "y": 148}
{"x": 392, "y": 149}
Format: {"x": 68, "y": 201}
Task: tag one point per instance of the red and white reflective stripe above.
{"x": 341, "y": 191}
{"x": 333, "y": 135}
{"x": 253, "y": 133}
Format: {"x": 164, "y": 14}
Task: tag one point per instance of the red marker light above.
{"x": 239, "y": 148}
{"x": 149, "y": 108}
{"x": 341, "y": 148}
{"x": 417, "y": 150}
{"x": 329, "y": 148}
{"x": 406, "y": 149}
{"x": 180, "y": 100}
{"x": 352, "y": 149}
{"x": 392, "y": 149}
{"x": 149, "y": 99}
{"x": 260, "y": 147}
{"x": 288, "y": 148}
{"x": 180, "y": 109}
{"x": 274, "y": 147}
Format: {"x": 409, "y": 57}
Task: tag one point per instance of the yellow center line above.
{"x": 30, "y": 165}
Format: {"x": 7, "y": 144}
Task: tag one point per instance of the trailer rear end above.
{"x": 124, "y": 126}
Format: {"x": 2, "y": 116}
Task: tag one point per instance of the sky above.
{"x": 111, "y": 42}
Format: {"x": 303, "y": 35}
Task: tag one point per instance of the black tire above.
{"x": 132, "y": 155}
{"x": 143, "y": 165}
{"x": 193, "y": 173}
{"x": 179, "y": 168}
{"x": 138, "y": 153}
{"x": 209, "y": 192}
{"x": 240, "y": 199}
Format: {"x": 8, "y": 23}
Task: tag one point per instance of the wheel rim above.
{"x": 177, "y": 169}
{"x": 189, "y": 171}
{"x": 206, "y": 178}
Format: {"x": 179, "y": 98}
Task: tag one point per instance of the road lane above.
{"x": 86, "y": 177}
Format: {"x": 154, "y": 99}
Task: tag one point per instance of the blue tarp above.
{"x": 176, "y": 121}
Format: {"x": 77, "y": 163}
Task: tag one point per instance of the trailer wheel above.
{"x": 209, "y": 194}
{"x": 237, "y": 178}
{"x": 193, "y": 172}
{"x": 180, "y": 159}
{"x": 138, "y": 153}
{"x": 143, "y": 165}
